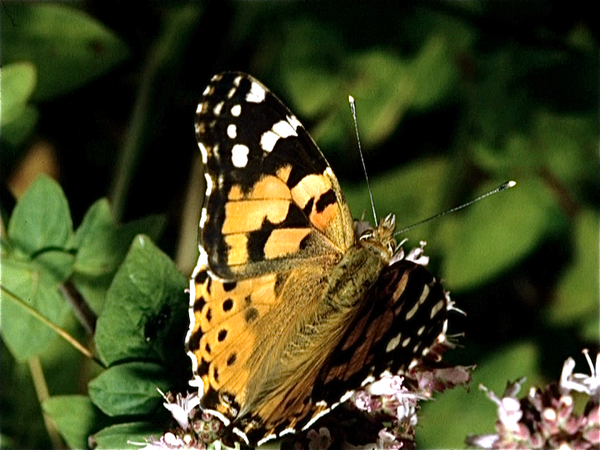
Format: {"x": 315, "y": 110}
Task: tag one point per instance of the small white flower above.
{"x": 417, "y": 255}
{"x": 588, "y": 384}
{"x": 168, "y": 441}
{"x": 387, "y": 440}
{"x": 509, "y": 408}
{"x": 182, "y": 407}
{"x": 483, "y": 441}
{"x": 386, "y": 385}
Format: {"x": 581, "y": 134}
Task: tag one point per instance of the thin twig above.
{"x": 83, "y": 312}
{"x": 62, "y": 333}
{"x": 42, "y": 392}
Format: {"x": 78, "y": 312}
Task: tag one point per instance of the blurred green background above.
{"x": 453, "y": 98}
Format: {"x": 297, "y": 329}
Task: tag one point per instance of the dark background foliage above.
{"x": 453, "y": 98}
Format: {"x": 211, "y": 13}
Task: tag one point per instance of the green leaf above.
{"x": 577, "y": 291}
{"x": 35, "y": 263}
{"x": 477, "y": 413}
{"x": 146, "y": 291}
{"x": 128, "y": 389}
{"x": 97, "y": 252}
{"x": 18, "y": 83}
{"x": 125, "y": 436}
{"x": 493, "y": 235}
{"x": 101, "y": 247}
{"x": 17, "y": 131}
{"x": 101, "y": 244}
{"x": 41, "y": 219}
{"x": 76, "y": 418}
{"x": 36, "y": 285}
{"x": 68, "y": 47}
{"x": 569, "y": 144}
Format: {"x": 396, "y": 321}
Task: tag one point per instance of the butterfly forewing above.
{"x": 273, "y": 199}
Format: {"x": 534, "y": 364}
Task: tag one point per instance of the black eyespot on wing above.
{"x": 229, "y": 286}
{"x": 251, "y": 315}
{"x": 199, "y": 304}
{"x": 227, "y": 305}
{"x": 231, "y": 359}
{"x": 203, "y": 368}
{"x": 194, "y": 342}
{"x": 201, "y": 277}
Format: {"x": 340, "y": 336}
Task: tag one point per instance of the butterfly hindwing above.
{"x": 404, "y": 314}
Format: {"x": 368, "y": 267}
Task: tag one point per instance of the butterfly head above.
{"x": 382, "y": 235}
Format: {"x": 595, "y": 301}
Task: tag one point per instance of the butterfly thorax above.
{"x": 361, "y": 265}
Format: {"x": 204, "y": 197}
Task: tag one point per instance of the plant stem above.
{"x": 41, "y": 390}
{"x": 62, "y": 333}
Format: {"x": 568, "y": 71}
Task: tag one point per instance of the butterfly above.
{"x": 292, "y": 305}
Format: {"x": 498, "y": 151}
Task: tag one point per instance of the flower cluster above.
{"x": 546, "y": 418}
{"x": 395, "y": 399}
{"x": 196, "y": 429}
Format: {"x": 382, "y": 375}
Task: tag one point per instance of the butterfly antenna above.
{"x": 362, "y": 158}
{"x": 500, "y": 188}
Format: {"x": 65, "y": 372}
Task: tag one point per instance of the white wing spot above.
{"x": 420, "y": 330}
{"x": 231, "y": 92}
{"x": 236, "y": 110}
{"x": 268, "y": 140}
{"x": 203, "y": 216}
{"x": 412, "y": 312}
{"x": 203, "y": 152}
{"x": 199, "y": 108}
{"x": 209, "y": 184}
{"x": 217, "y": 109}
{"x": 239, "y": 155}
{"x": 281, "y": 129}
{"x": 208, "y": 90}
{"x": 437, "y": 308}
{"x": 256, "y": 94}
{"x": 405, "y": 342}
{"x": 294, "y": 122}
{"x": 424, "y": 294}
{"x": 232, "y": 131}
{"x": 393, "y": 343}
{"x": 284, "y": 129}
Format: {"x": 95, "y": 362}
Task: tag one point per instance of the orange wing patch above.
{"x": 222, "y": 336}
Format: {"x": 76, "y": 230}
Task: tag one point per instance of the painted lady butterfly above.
{"x": 291, "y": 308}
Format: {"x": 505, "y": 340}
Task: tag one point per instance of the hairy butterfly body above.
{"x": 291, "y": 309}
